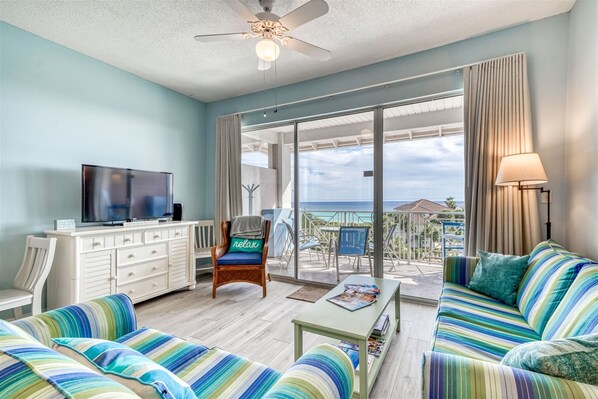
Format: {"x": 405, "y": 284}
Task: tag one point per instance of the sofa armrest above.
{"x": 109, "y": 317}
{"x": 459, "y": 269}
{"x": 449, "y": 376}
{"x": 323, "y": 372}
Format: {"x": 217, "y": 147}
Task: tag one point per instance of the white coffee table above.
{"x": 330, "y": 320}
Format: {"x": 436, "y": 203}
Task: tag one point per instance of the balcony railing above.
{"x": 418, "y": 236}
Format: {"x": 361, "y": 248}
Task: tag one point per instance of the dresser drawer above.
{"x": 128, "y": 256}
{"x": 89, "y": 244}
{"x": 145, "y": 287}
{"x": 136, "y": 272}
{"x": 123, "y": 240}
{"x": 179, "y": 232}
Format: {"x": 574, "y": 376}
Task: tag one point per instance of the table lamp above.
{"x": 524, "y": 170}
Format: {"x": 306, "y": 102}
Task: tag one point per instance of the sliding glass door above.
{"x": 314, "y": 177}
{"x": 423, "y": 192}
{"x": 335, "y": 162}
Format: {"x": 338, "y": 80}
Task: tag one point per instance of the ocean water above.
{"x": 354, "y": 211}
{"x": 357, "y": 206}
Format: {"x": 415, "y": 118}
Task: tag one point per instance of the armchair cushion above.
{"x": 459, "y": 302}
{"x": 548, "y": 277}
{"x": 241, "y": 258}
{"x": 246, "y": 245}
{"x": 577, "y": 314}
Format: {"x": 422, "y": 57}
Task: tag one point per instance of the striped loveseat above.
{"x": 557, "y": 298}
{"x": 30, "y": 369}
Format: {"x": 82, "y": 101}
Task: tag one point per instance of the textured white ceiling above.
{"x": 154, "y": 38}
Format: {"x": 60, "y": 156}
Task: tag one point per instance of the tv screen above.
{"x": 117, "y": 194}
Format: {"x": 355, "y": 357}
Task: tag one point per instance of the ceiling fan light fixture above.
{"x": 267, "y": 50}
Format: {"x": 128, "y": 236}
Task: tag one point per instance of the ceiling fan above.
{"x": 271, "y": 29}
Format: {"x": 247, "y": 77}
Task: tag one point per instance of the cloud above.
{"x": 427, "y": 168}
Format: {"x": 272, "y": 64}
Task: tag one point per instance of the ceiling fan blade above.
{"x": 223, "y": 36}
{"x": 305, "y": 48}
{"x": 307, "y": 12}
{"x": 263, "y": 65}
{"x": 241, "y": 10}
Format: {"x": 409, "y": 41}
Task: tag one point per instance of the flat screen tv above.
{"x": 118, "y": 194}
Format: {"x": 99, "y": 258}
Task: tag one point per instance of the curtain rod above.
{"x": 373, "y": 86}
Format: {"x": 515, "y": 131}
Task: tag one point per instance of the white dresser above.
{"x": 141, "y": 261}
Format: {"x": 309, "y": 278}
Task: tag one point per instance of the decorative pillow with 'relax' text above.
{"x": 246, "y": 245}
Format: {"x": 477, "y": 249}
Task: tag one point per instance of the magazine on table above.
{"x": 352, "y": 350}
{"x": 381, "y": 326}
{"x": 356, "y": 296}
{"x": 375, "y": 346}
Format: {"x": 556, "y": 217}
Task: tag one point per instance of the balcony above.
{"x": 413, "y": 251}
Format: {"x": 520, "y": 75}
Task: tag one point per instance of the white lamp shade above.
{"x": 521, "y": 169}
{"x": 267, "y": 50}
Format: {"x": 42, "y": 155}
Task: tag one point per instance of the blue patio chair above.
{"x": 353, "y": 241}
{"x": 453, "y": 237}
{"x": 389, "y": 248}
{"x": 306, "y": 243}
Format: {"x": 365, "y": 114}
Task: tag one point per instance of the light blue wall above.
{"x": 582, "y": 129}
{"x": 60, "y": 109}
{"x": 544, "y": 41}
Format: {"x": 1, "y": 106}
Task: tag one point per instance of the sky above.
{"x": 431, "y": 168}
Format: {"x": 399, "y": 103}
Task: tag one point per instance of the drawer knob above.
{"x": 95, "y": 244}
{"x": 156, "y": 236}
{"x": 127, "y": 240}
{"x": 177, "y": 234}
{"x": 155, "y": 268}
{"x": 155, "y": 284}
{"x": 132, "y": 274}
{"x": 131, "y": 255}
{"x": 131, "y": 291}
{"x": 154, "y": 251}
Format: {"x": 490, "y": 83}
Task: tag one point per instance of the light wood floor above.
{"x": 241, "y": 322}
{"x": 419, "y": 279}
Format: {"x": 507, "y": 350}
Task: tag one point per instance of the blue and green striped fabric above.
{"x": 323, "y": 372}
{"x": 467, "y": 338}
{"x": 219, "y": 374}
{"x": 550, "y": 274}
{"x": 577, "y": 314}
{"x": 172, "y": 353}
{"x": 462, "y": 303}
{"x": 19, "y": 381}
{"x": 107, "y": 318}
{"x": 36, "y": 371}
{"x": 459, "y": 269}
{"x": 11, "y": 329}
{"x": 457, "y": 377}
{"x": 129, "y": 367}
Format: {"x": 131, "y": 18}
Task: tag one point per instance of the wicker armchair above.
{"x": 240, "y": 267}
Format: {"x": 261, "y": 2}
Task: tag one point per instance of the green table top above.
{"x": 328, "y": 317}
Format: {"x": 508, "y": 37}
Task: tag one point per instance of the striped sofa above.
{"x": 30, "y": 369}
{"x": 557, "y": 298}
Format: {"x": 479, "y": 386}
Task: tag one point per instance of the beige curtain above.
{"x": 497, "y": 121}
{"x": 228, "y": 170}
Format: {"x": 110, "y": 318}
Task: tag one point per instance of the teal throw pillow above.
{"x": 498, "y": 276}
{"x": 245, "y": 245}
{"x": 574, "y": 358}
{"x": 126, "y": 366}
